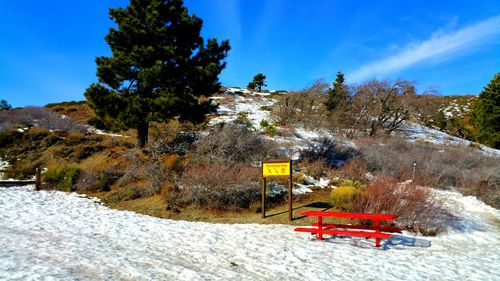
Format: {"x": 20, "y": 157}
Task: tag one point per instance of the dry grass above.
{"x": 278, "y": 214}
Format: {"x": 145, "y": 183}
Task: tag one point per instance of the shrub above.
{"x": 171, "y": 138}
{"x": 419, "y": 209}
{"x": 62, "y": 177}
{"x": 354, "y": 183}
{"x": 242, "y": 118}
{"x": 342, "y": 197}
{"x": 84, "y": 151}
{"x": 303, "y": 107}
{"x": 315, "y": 169}
{"x": 441, "y": 167}
{"x": 232, "y": 143}
{"x": 268, "y": 128}
{"x": 172, "y": 162}
{"x": 264, "y": 123}
{"x": 222, "y": 187}
{"x": 100, "y": 180}
{"x": 37, "y": 116}
{"x": 328, "y": 151}
{"x": 74, "y": 138}
{"x": 123, "y": 194}
{"x": 168, "y": 190}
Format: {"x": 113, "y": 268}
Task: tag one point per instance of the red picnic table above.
{"x": 374, "y": 231}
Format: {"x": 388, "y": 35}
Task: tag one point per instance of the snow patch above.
{"x": 53, "y": 235}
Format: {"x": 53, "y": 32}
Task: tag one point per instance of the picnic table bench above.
{"x": 376, "y": 231}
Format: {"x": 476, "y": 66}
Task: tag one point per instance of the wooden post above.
{"x": 290, "y": 195}
{"x": 290, "y": 207}
{"x": 38, "y": 179}
{"x": 263, "y": 207}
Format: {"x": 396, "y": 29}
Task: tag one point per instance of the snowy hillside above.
{"x": 257, "y": 105}
{"x": 51, "y": 235}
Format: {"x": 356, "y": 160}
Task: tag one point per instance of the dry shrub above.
{"x": 168, "y": 189}
{"x": 327, "y": 151}
{"x": 172, "y": 162}
{"x": 353, "y": 169}
{"x": 173, "y": 137}
{"x": 37, "y": 116}
{"x": 97, "y": 180}
{"x": 418, "y": 208}
{"x": 74, "y": 138}
{"x": 233, "y": 143}
{"x": 147, "y": 170}
{"x": 315, "y": 169}
{"x": 124, "y": 194}
{"x": 437, "y": 166}
{"x": 218, "y": 186}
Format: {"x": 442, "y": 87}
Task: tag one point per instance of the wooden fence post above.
{"x": 38, "y": 179}
{"x": 263, "y": 204}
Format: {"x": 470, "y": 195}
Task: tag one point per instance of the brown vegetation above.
{"x": 463, "y": 168}
{"x": 419, "y": 209}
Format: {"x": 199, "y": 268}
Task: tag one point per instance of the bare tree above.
{"x": 304, "y": 107}
{"x": 379, "y": 105}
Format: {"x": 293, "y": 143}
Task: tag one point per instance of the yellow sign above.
{"x": 276, "y": 169}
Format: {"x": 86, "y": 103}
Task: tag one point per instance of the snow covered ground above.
{"x": 416, "y": 132}
{"x": 51, "y": 235}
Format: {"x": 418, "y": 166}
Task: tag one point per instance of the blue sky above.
{"x": 48, "y": 48}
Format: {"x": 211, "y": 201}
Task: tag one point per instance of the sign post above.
{"x": 277, "y": 169}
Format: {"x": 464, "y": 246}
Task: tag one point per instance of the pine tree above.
{"x": 160, "y": 67}
{"x": 4, "y": 105}
{"x": 485, "y": 114}
{"x": 338, "y": 94}
{"x": 258, "y": 81}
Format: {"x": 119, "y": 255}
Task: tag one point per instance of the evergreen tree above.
{"x": 4, "y": 105}
{"x": 259, "y": 81}
{"x": 485, "y": 114}
{"x": 338, "y": 94}
{"x": 251, "y": 85}
{"x": 160, "y": 67}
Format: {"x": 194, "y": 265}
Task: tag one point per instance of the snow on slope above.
{"x": 254, "y": 102}
{"x": 252, "y": 105}
{"x": 50, "y": 235}
{"x": 414, "y": 132}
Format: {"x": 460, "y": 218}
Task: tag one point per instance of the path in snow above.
{"x": 56, "y": 235}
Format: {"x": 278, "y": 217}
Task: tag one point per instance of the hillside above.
{"x": 107, "y": 165}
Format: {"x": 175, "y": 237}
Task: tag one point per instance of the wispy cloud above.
{"x": 439, "y": 46}
{"x": 230, "y": 15}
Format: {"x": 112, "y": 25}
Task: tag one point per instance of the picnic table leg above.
{"x": 377, "y": 240}
{"x": 320, "y": 227}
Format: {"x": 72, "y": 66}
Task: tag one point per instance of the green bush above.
{"x": 354, "y": 183}
{"x": 62, "y": 177}
{"x": 342, "y": 197}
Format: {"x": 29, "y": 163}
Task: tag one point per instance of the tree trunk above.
{"x": 142, "y": 134}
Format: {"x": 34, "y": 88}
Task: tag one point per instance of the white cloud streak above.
{"x": 438, "y": 46}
